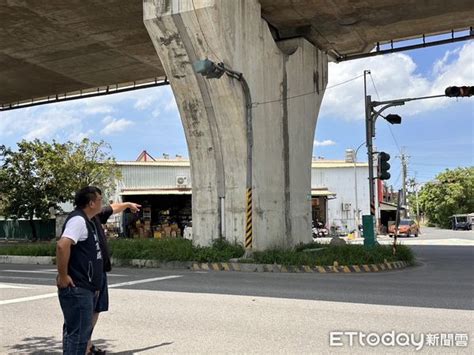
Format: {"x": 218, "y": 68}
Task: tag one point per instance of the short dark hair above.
{"x": 86, "y": 195}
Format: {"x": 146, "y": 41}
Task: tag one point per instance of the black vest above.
{"x": 100, "y": 219}
{"x": 85, "y": 262}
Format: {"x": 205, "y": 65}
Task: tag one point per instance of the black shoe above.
{"x": 96, "y": 351}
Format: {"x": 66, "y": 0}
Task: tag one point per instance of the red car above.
{"x": 407, "y": 227}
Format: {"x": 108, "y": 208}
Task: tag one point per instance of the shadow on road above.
{"x": 51, "y": 345}
{"x": 38, "y": 345}
{"x": 135, "y": 351}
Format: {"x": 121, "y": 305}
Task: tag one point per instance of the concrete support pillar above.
{"x": 287, "y": 81}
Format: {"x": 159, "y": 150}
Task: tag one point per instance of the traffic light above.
{"x": 459, "y": 91}
{"x": 384, "y": 166}
{"x": 208, "y": 68}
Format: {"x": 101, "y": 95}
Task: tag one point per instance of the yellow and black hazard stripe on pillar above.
{"x": 372, "y": 209}
{"x": 248, "y": 221}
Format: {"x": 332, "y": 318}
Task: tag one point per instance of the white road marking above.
{"x": 50, "y": 271}
{"x": 31, "y": 271}
{"x": 26, "y": 299}
{"x": 129, "y": 283}
{"x": 26, "y": 278}
{"x": 4, "y": 285}
{"x": 49, "y": 295}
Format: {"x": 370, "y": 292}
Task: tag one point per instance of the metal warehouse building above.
{"x": 164, "y": 188}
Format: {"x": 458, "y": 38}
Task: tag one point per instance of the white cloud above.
{"x": 171, "y": 105}
{"x": 114, "y": 125}
{"x": 156, "y": 113}
{"x": 32, "y": 123}
{"x": 144, "y": 102}
{"x": 324, "y": 143}
{"x": 95, "y": 109}
{"x": 395, "y": 77}
{"x": 77, "y": 137}
{"x": 441, "y": 64}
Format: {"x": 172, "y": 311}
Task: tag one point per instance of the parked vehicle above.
{"x": 188, "y": 231}
{"x": 406, "y": 227}
{"x": 461, "y": 221}
{"x": 319, "y": 230}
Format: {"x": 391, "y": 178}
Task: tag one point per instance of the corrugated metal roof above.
{"x": 335, "y": 164}
{"x": 158, "y": 162}
{"x": 129, "y": 192}
{"x": 322, "y": 192}
{"x": 185, "y": 162}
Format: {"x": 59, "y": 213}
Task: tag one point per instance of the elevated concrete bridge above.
{"x": 50, "y": 47}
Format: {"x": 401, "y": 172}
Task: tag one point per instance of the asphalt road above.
{"x": 180, "y": 311}
{"x": 442, "y": 278}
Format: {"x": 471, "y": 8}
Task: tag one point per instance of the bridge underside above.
{"x": 50, "y": 47}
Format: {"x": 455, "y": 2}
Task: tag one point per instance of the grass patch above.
{"x": 29, "y": 249}
{"x": 152, "y": 249}
{"x": 323, "y": 255}
{"x": 174, "y": 249}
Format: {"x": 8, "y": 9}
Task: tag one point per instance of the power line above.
{"x": 389, "y": 127}
{"x": 308, "y": 93}
{"x": 394, "y": 139}
{"x": 202, "y": 32}
{"x": 398, "y": 178}
{"x": 435, "y": 165}
{"x": 375, "y": 88}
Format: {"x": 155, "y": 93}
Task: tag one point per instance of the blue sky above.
{"x": 435, "y": 134}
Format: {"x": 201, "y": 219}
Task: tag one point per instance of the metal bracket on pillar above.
{"x": 211, "y": 70}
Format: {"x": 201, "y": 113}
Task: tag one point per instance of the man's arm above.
{"x": 63, "y": 252}
{"x": 120, "y": 207}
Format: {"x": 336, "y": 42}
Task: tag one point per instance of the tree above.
{"x": 39, "y": 176}
{"x": 451, "y": 193}
{"x": 90, "y": 163}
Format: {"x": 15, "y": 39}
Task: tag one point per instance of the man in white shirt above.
{"x": 80, "y": 270}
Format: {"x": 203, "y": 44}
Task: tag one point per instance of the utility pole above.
{"x": 404, "y": 159}
{"x": 356, "y": 212}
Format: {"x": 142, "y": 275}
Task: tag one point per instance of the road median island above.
{"x": 223, "y": 256}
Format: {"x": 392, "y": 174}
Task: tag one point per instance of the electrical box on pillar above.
{"x": 459, "y": 91}
{"x": 208, "y": 68}
{"x": 384, "y": 166}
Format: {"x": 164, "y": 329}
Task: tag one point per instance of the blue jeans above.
{"x": 102, "y": 299}
{"x": 77, "y": 304}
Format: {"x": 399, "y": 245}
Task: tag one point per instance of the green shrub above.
{"x": 168, "y": 249}
{"x": 31, "y": 249}
{"x": 177, "y": 249}
{"x": 221, "y": 250}
{"x": 328, "y": 254}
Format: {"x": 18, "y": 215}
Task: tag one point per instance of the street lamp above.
{"x": 211, "y": 70}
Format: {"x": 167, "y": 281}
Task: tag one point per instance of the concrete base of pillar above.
{"x": 286, "y": 80}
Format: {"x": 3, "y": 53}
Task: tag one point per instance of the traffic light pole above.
{"x": 371, "y": 116}
{"x": 368, "y": 137}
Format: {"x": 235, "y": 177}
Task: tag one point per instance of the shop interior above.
{"x": 160, "y": 216}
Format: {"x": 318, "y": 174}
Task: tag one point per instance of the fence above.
{"x": 21, "y": 230}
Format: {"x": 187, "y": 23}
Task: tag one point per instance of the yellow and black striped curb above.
{"x": 244, "y": 267}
